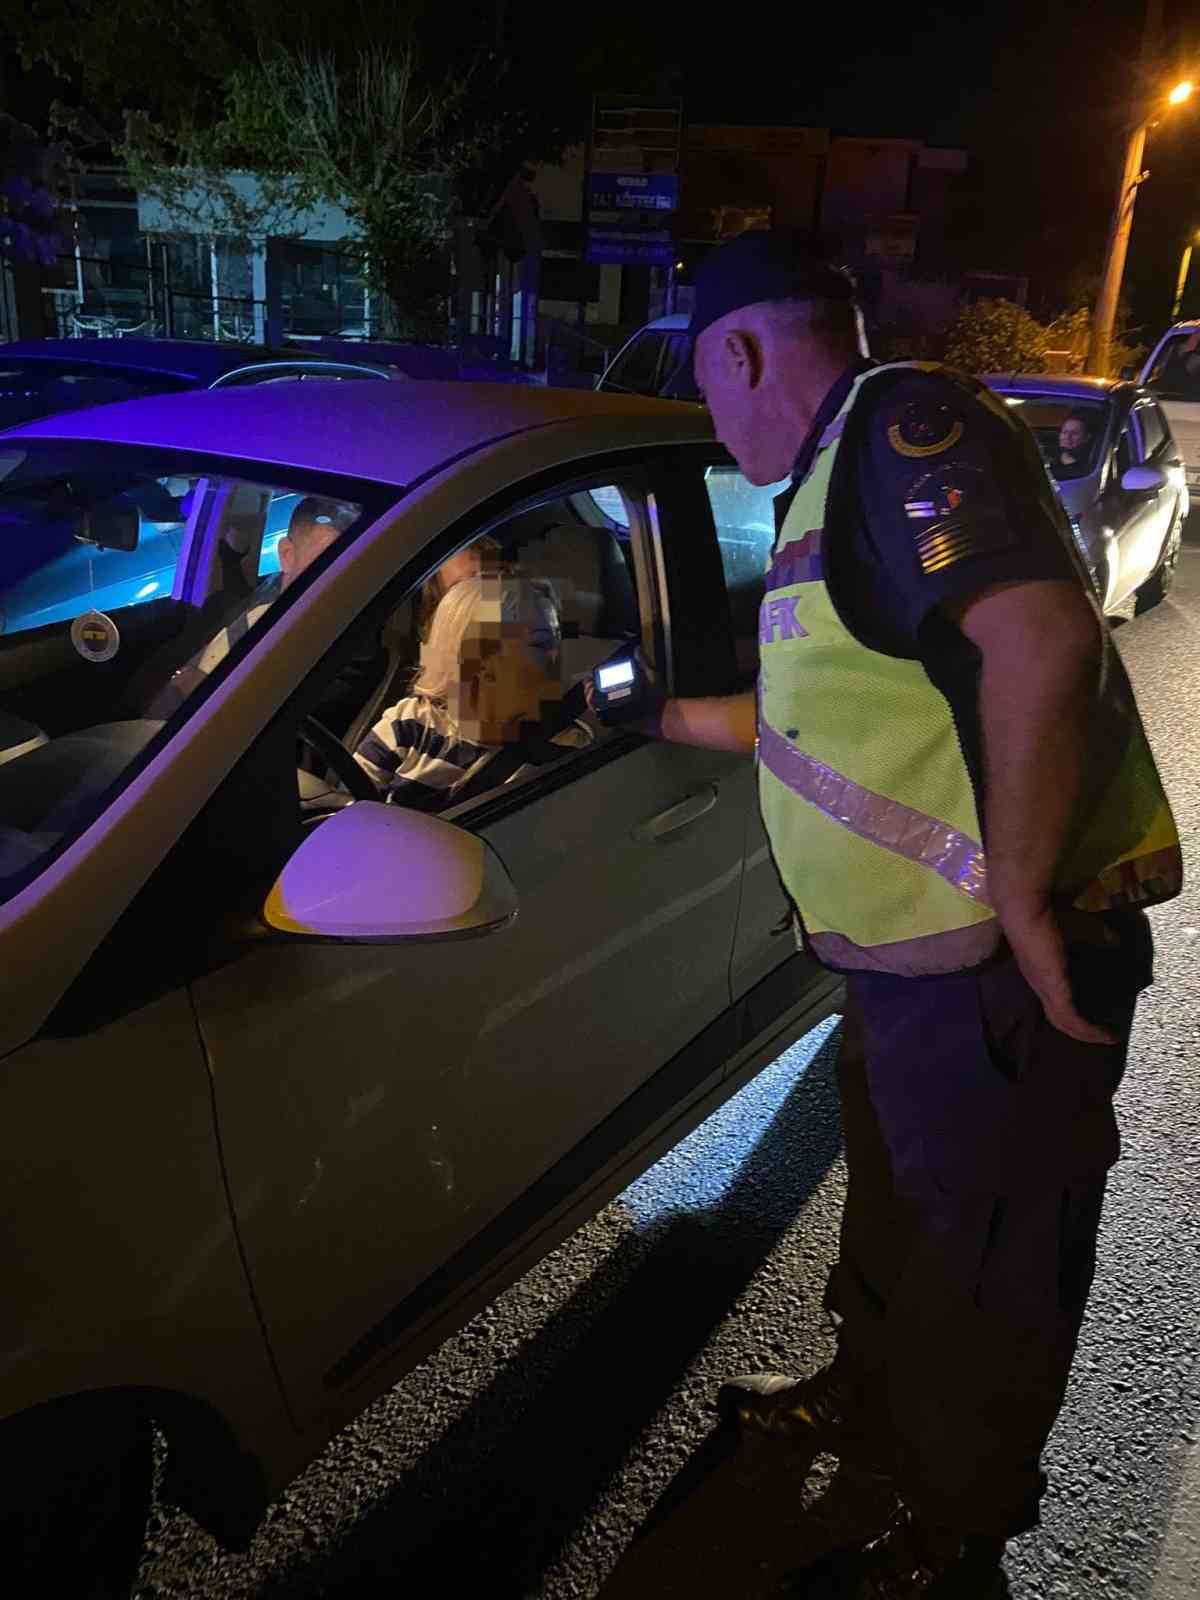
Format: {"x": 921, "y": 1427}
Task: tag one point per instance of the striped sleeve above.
{"x": 416, "y": 743}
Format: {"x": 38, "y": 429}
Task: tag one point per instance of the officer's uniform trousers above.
{"x": 978, "y": 1142}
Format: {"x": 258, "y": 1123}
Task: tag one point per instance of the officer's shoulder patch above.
{"x": 925, "y": 426}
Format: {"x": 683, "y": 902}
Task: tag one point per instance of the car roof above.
{"x": 392, "y": 433}
{"x": 200, "y": 362}
{"x": 1071, "y": 384}
{"x": 196, "y": 359}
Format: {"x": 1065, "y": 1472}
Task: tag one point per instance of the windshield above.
{"x": 1175, "y": 374}
{"x": 34, "y": 388}
{"x": 1070, "y": 432}
{"x": 127, "y": 579}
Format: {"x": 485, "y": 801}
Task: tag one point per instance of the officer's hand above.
{"x": 1037, "y": 944}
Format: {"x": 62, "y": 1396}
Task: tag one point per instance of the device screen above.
{"x": 613, "y": 676}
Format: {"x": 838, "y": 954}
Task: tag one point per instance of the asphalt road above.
{"x": 562, "y": 1445}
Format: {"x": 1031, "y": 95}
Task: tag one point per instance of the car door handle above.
{"x": 677, "y": 816}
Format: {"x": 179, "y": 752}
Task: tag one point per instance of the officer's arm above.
{"x": 1041, "y": 645}
{"x": 725, "y": 723}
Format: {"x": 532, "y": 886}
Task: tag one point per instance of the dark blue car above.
{"x": 39, "y": 378}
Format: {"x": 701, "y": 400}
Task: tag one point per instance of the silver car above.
{"x": 1109, "y": 449}
{"x": 294, "y": 1080}
{"x": 1172, "y": 375}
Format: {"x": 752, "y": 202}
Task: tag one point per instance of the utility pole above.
{"x": 1185, "y": 262}
{"x": 1132, "y": 177}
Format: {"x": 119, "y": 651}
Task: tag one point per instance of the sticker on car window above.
{"x": 95, "y": 636}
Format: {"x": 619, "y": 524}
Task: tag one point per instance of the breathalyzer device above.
{"x": 617, "y": 690}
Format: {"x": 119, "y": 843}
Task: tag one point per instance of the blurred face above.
{"x": 298, "y": 551}
{"x": 508, "y": 674}
{"x": 1072, "y": 436}
{"x": 506, "y": 685}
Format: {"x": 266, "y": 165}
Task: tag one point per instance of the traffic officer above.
{"x": 965, "y": 814}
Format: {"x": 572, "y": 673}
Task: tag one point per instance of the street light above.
{"x": 1132, "y": 176}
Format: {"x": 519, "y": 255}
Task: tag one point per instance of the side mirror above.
{"x": 1143, "y": 480}
{"x": 376, "y": 874}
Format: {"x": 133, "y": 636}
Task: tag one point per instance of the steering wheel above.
{"x": 335, "y": 755}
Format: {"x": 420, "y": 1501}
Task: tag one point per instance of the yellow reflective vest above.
{"x": 866, "y": 796}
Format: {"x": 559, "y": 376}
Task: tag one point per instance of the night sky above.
{"x": 1037, "y": 91}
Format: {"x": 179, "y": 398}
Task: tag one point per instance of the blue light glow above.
{"x": 698, "y": 1173}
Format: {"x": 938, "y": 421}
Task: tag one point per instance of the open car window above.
{"x": 476, "y": 682}
{"x": 130, "y": 582}
{"x": 1070, "y": 431}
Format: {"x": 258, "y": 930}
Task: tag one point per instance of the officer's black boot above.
{"x": 826, "y": 1412}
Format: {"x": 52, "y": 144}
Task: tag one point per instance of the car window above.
{"x": 678, "y": 380}
{"x": 1127, "y": 450}
{"x": 34, "y": 388}
{"x": 74, "y": 543}
{"x": 1154, "y": 434}
{"x": 244, "y": 377}
{"x": 90, "y": 672}
{"x": 1175, "y": 373}
{"x": 1070, "y": 430}
{"x": 745, "y": 519}
{"x": 636, "y": 369}
{"x": 483, "y": 673}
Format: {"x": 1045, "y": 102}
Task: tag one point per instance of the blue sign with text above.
{"x": 633, "y": 191}
{"x": 616, "y": 247}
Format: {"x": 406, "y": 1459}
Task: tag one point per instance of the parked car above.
{"x": 276, "y": 1118}
{"x": 656, "y": 361}
{"x": 1172, "y": 376}
{"x": 1123, "y": 483}
{"x": 41, "y": 377}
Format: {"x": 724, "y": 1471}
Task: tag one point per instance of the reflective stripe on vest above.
{"x": 866, "y": 796}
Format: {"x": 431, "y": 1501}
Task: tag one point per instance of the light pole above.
{"x": 1132, "y": 176}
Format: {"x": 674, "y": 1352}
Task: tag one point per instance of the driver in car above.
{"x": 489, "y": 669}
{"x": 1074, "y": 446}
{"x": 313, "y": 526}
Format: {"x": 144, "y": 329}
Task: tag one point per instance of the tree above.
{"x": 996, "y": 336}
{"x": 319, "y": 104}
{"x": 373, "y": 136}
{"x": 33, "y": 182}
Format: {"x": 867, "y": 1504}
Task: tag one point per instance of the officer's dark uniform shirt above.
{"x": 888, "y": 582}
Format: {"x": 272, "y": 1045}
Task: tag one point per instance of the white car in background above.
{"x": 655, "y": 361}
{"x": 1172, "y": 375}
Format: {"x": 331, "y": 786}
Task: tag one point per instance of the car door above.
{"x": 1139, "y": 515}
{"x": 1159, "y": 452}
{"x": 381, "y": 1105}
